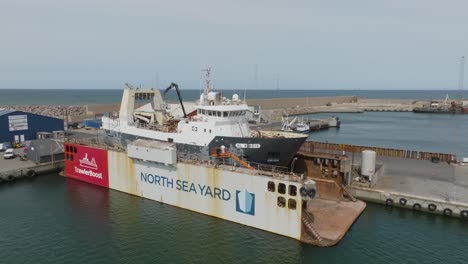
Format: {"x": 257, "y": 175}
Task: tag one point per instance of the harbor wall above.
{"x": 312, "y": 146}
{"x": 30, "y": 171}
{"x": 410, "y": 201}
{"x": 275, "y": 103}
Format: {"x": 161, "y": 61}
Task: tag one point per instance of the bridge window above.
{"x": 225, "y": 114}
{"x": 219, "y": 114}
{"x": 282, "y": 188}
{"x": 67, "y": 149}
{"x": 74, "y": 150}
{"x": 292, "y": 190}
{"x": 271, "y": 186}
{"x": 292, "y": 204}
{"x": 281, "y": 202}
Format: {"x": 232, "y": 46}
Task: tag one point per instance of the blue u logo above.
{"x": 245, "y": 202}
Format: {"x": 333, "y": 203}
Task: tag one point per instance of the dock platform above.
{"x": 438, "y": 188}
{"x": 332, "y": 219}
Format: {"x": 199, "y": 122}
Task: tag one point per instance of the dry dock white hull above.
{"x": 228, "y": 194}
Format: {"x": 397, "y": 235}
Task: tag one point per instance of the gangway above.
{"x": 223, "y": 153}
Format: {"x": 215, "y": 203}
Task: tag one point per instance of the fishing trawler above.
{"x": 215, "y": 122}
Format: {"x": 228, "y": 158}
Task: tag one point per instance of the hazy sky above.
{"x": 359, "y": 44}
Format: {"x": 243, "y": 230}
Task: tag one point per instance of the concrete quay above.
{"x": 408, "y": 181}
{"x": 421, "y": 185}
{"x": 13, "y": 169}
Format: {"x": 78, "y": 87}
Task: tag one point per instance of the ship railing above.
{"x": 270, "y": 167}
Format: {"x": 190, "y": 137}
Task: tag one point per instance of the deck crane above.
{"x": 176, "y": 87}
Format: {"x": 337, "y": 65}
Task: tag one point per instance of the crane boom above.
{"x": 176, "y": 87}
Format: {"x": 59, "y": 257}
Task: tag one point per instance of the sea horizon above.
{"x": 112, "y": 96}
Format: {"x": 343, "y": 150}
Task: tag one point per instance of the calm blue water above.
{"x": 58, "y": 220}
{"x": 83, "y": 97}
{"x": 410, "y": 131}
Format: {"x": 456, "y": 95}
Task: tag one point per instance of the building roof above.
{"x": 4, "y": 111}
{"x": 46, "y": 146}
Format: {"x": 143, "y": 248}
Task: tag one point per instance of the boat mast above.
{"x": 460, "y": 81}
{"x": 207, "y": 80}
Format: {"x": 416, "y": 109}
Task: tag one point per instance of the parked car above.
{"x": 17, "y": 145}
{"x": 4, "y": 146}
{"x": 9, "y": 154}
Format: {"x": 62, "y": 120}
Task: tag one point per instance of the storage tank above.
{"x": 368, "y": 163}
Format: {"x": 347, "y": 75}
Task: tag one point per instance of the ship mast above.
{"x": 460, "y": 81}
{"x": 207, "y": 80}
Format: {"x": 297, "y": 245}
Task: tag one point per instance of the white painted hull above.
{"x": 227, "y": 194}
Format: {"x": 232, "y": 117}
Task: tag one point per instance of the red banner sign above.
{"x": 87, "y": 164}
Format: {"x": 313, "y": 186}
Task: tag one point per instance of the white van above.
{"x": 9, "y": 154}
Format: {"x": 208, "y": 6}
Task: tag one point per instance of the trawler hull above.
{"x": 273, "y": 151}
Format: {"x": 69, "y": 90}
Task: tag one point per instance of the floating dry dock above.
{"x": 270, "y": 198}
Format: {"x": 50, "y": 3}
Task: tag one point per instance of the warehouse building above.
{"x": 18, "y": 126}
{"x": 45, "y": 150}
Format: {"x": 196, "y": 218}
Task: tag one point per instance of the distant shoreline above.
{"x": 272, "y": 108}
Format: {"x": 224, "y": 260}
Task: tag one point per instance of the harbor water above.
{"x": 443, "y": 133}
{"x": 57, "y": 220}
